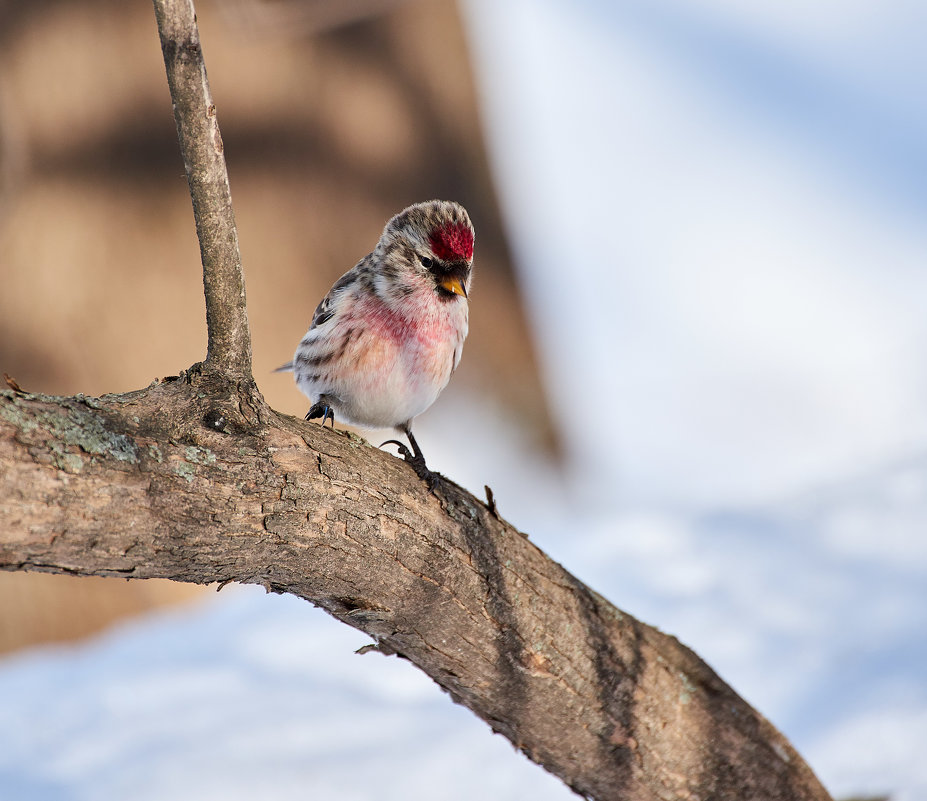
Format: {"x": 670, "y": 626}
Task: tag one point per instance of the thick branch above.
{"x": 172, "y": 482}
{"x": 229, "y": 349}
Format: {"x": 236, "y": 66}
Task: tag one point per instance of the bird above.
{"x": 385, "y": 340}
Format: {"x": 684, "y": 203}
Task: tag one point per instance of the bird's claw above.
{"x": 417, "y": 462}
{"x": 404, "y": 451}
{"x": 322, "y": 410}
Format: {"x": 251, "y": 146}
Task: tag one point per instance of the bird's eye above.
{"x": 426, "y": 262}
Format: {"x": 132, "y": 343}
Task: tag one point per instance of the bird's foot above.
{"x": 417, "y": 462}
{"x": 322, "y": 410}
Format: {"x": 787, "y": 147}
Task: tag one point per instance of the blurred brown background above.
{"x": 335, "y": 115}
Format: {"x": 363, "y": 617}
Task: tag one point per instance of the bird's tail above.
{"x": 285, "y": 368}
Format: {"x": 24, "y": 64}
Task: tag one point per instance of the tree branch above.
{"x": 197, "y": 480}
{"x": 175, "y": 482}
{"x": 229, "y": 348}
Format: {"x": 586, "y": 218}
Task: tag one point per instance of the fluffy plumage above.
{"x": 385, "y": 340}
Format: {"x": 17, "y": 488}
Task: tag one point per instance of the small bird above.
{"x": 385, "y": 340}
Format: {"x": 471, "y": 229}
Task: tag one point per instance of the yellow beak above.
{"x": 454, "y": 285}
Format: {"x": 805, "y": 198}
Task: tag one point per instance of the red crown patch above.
{"x": 452, "y": 242}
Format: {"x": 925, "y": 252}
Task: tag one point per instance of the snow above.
{"x": 720, "y": 209}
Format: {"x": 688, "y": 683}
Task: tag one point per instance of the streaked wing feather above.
{"x": 325, "y": 310}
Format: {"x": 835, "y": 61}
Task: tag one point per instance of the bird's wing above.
{"x": 327, "y": 308}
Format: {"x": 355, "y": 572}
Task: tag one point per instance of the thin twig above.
{"x": 229, "y": 349}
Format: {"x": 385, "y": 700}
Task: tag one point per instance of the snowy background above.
{"x": 718, "y": 214}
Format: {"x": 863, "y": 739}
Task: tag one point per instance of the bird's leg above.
{"x": 418, "y": 458}
{"x": 323, "y": 410}
{"x": 415, "y": 458}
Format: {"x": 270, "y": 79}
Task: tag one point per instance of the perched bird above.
{"x": 385, "y": 339}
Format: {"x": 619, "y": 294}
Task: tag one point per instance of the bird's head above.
{"x": 434, "y": 240}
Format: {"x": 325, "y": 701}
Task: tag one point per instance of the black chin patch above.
{"x": 442, "y": 270}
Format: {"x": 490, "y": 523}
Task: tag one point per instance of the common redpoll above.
{"x": 386, "y": 338}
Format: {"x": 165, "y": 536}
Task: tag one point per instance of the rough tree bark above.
{"x": 197, "y": 479}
